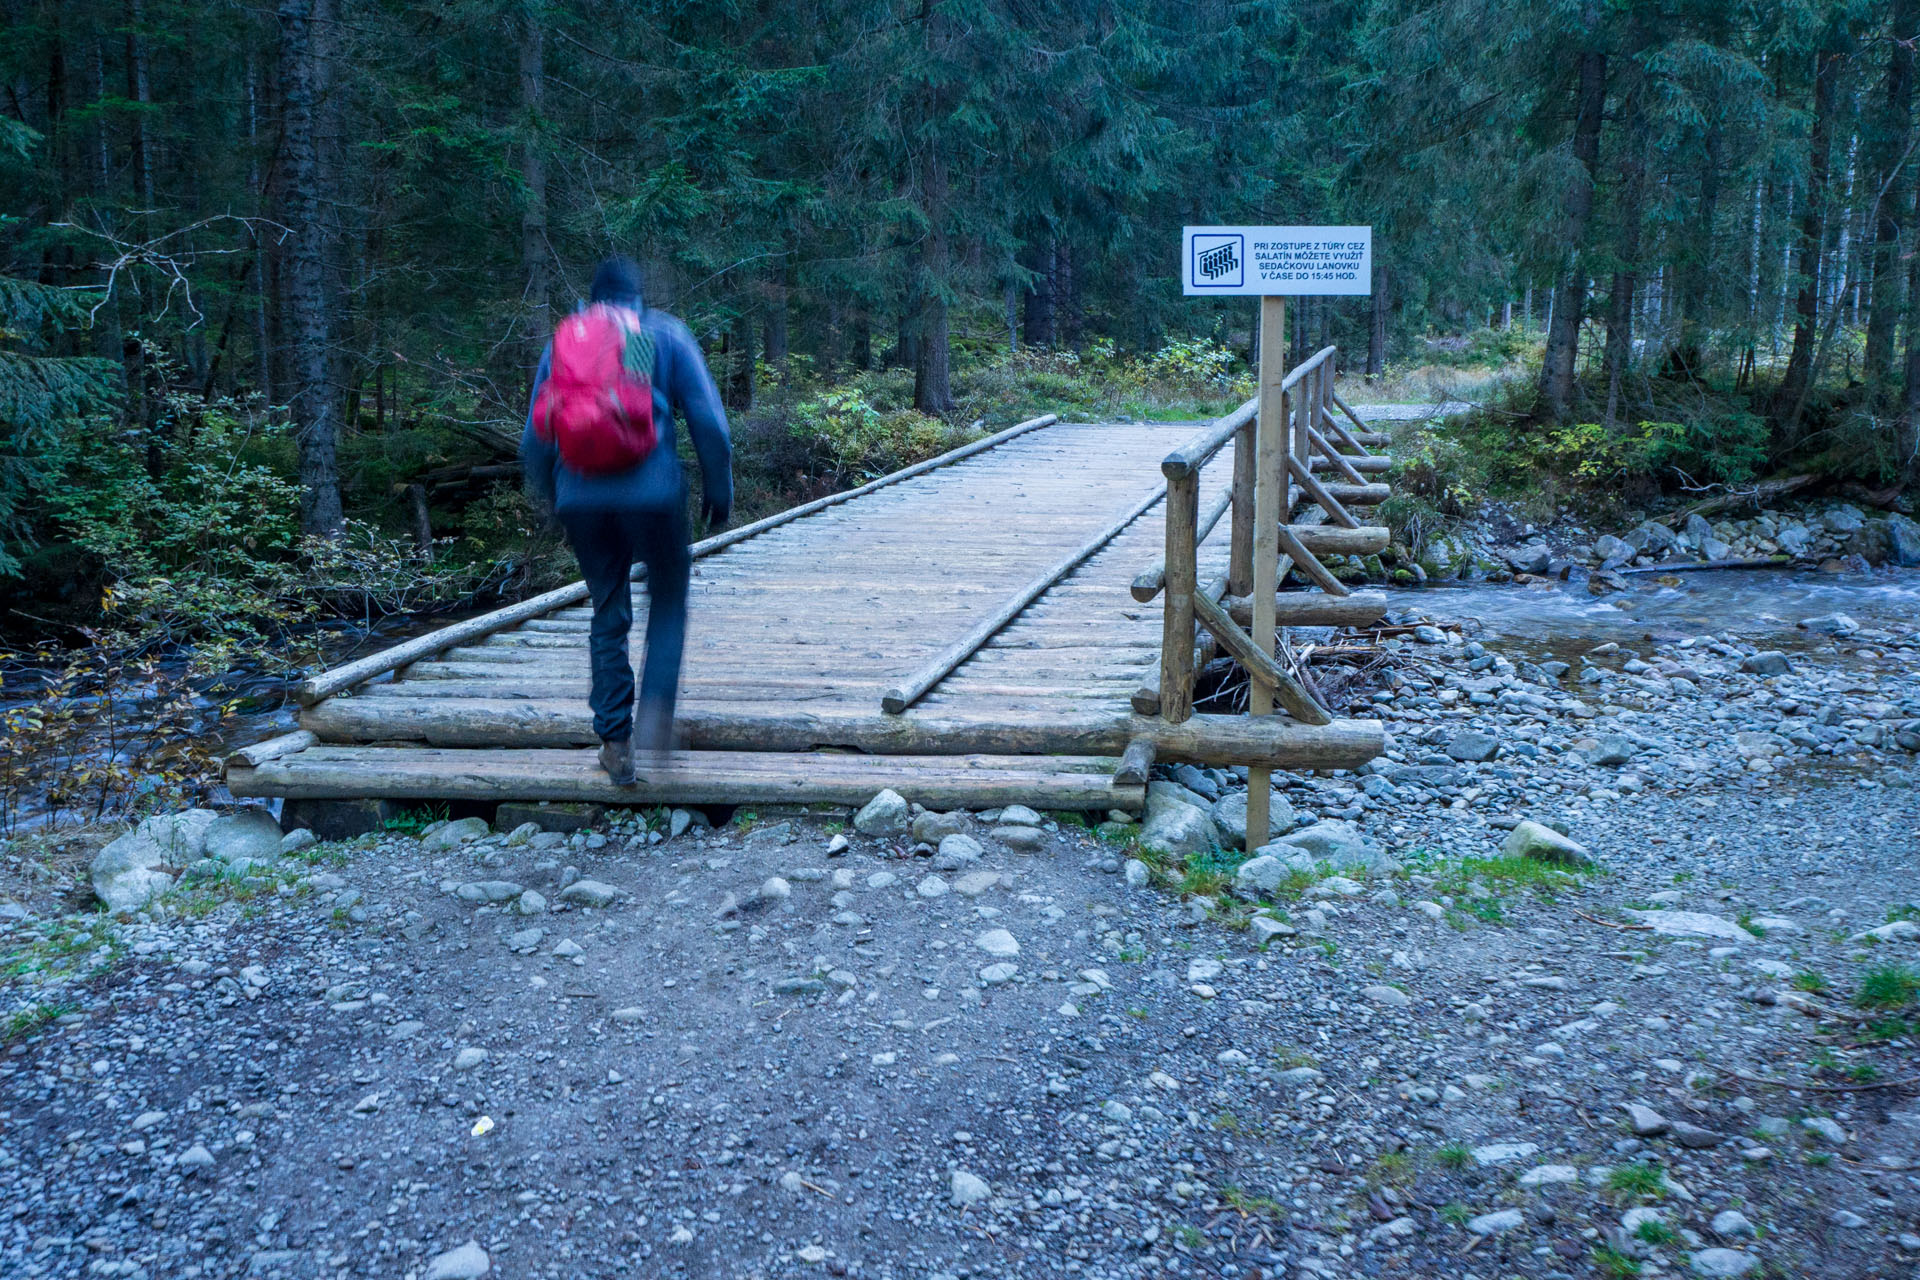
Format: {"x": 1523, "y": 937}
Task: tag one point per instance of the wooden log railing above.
{"x": 1281, "y": 437}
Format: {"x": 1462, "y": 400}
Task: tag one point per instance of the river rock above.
{"x": 590, "y": 893}
{"x": 131, "y": 871}
{"x": 1721, "y": 1264}
{"x": 1331, "y": 840}
{"x": 1489, "y": 1224}
{"x": 1176, "y": 828}
{"x": 1691, "y": 924}
{"x": 456, "y": 833}
{"x": 964, "y": 1188}
{"x": 297, "y": 839}
{"x": 998, "y": 943}
{"x": 468, "y": 1262}
{"x": 1768, "y": 662}
{"x": 885, "y": 815}
{"x": 1259, "y": 875}
{"x": 1265, "y": 929}
{"x": 1871, "y": 542}
{"x": 1542, "y": 843}
{"x": 488, "y": 891}
{"x": 1646, "y": 1122}
{"x": 957, "y": 852}
{"x": 1535, "y": 557}
{"x": 933, "y": 828}
{"x": 1612, "y": 749}
{"x": 1903, "y": 541}
{"x": 246, "y": 833}
{"x": 1473, "y": 746}
{"x": 1612, "y": 552}
{"x": 1229, "y": 814}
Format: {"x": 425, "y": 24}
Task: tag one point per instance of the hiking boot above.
{"x": 617, "y": 759}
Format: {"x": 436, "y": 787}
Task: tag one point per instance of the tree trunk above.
{"x": 1895, "y": 128}
{"x": 1911, "y": 400}
{"x": 137, "y": 89}
{"x": 534, "y": 253}
{"x": 1694, "y": 271}
{"x": 1626, "y": 276}
{"x": 1563, "y": 338}
{"x": 1037, "y": 315}
{"x": 1066, "y": 303}
{"x": 1795, "y": 384}
{"x": 932, "y": 379}
{"x": 776, "y": 347}
{"x": 860, "y": 350}
{"x": 315, "y": 413}
{"x": 740, "y": 360}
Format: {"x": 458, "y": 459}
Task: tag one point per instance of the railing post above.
{"x": 1176, "y": 635}
{"x": 1269, "y": 509}
{"x": 1240, "y": 557}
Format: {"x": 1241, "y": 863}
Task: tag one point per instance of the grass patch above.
{"x": 1480, "y": 887}
{"x": 1810, "y": 981}
{"x": 1456, "y": 1213}
{"x": 1209, "y": 874}
{"x": 412, "y": 821}
{"x": 1390, "y": 1167}
{"x": 24, "y": 1022}
{"x": 60, "y": 948}
{"x": 1188, "y": 1236}
{"x": 1454, "y": 1155}
{"x": 1637, "y": 1181}
{"x": 1252, "y": 1206}
{"x": 1888, "y": 986}
{"x": 1654, "y": 1232}
{"x": 1613, "y": 1263}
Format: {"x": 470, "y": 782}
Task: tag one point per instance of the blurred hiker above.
{"x": 599, "y": 450}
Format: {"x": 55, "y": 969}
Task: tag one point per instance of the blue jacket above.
{"x": 680, "y": 383}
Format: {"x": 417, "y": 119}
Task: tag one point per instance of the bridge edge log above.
{"x": 1270, "y": 741}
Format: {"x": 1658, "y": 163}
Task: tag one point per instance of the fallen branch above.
{"x": 1744, "y": 1078}
{"x": 1765, "y": 491}
{"x": 1612, "y": 924}
{"x": 1684, "y": 566}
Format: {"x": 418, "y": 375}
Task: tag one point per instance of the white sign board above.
{"x": 1265, "y": 261}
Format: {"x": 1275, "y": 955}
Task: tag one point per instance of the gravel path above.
{"x": 785, "y": 1047}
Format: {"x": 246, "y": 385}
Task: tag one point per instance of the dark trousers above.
{"x": 607, "y": 543}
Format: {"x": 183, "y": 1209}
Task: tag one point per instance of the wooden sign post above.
{"x": 1272, "y": 263}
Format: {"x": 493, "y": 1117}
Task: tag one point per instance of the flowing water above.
{"x": 1763, "y": 607}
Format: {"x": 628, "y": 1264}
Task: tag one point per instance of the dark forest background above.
{"x": 274, "y": 278}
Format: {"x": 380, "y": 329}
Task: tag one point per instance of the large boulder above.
{"x": 142, "y": 864}
{"x": 1611, "y": 551}
{"x": 1331, "y": 840}
{"x": 1699, "y": 533}
{"x": 248, "y": 833}
{"x": 1653, "y": 538}
{"x": 1176, "y": 828}
{"x": 1903, "y": 541}
{"x": 1229, "y": 814}
{"x": 1795, "y": 540}
{"x": 1259, "y": 876}
{"x": 884, "y": 815}
{"x": 1872, "y": 542}
{"x": 1542, "y": 843}
{"x": 1535, "y": 557}
{"x": 453, "y": 834}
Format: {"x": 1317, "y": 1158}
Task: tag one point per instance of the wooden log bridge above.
{"x": 963, "y": 631}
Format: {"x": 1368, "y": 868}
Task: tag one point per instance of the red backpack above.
{"x": 597, "y": 401}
